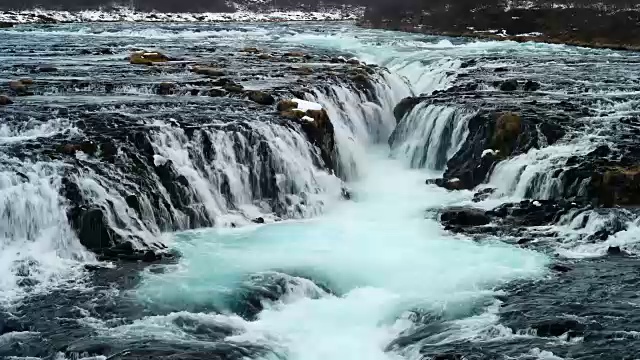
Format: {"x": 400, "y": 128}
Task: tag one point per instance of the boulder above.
{"x": 19, "y": 88}
{"x": 261, "y": 97}
{"x": 147, "y": 58}
{"x": 92, "y": 228}
{"x": 207, "y": 71}
{"x": 508, "y": 127}
{"x": 251, "y": 50}
{"x": 166, "y": 88}
{"x": 294, "y": 54}
{"x": 233, "y": 88}
{"x": 531, "y": 86}
{"x": 509, "y": 85}
{"x": 557, "y": 327}
{"x": 617, "y": 186}
{"x": 4, "y": 24}
{"x": 464, "y": 216}
{"x": 5, "y": 100}
{"x": 405, "y": 106}
{"x": 216, "y": 92}
{"x": 304, "y": 70}
{"x": 265, "y": 56}
{"x": 47, "y": 69}
{"x": 258, "y": 220}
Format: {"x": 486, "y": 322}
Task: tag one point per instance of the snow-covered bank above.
{"x": 127, "y": 15}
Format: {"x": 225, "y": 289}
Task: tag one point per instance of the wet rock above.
{"x": 216, "y": 92}
{"x": 92, "y": 228}
{"x": 265, "y": 56}
{"x": 558, "y": 327}
{"x": 617, "y": 185}
{"x": 294, "y": 54}
{"x": 615, "y": 251}
{"x": 507, "y": 129}
{"x": 233, "y": 88}
{"x": 448, "y": 357}
{"x": 166, "y": 88}
{"x": 483, "y": 194}
{"x": 509, "y": 85}
{"x": 258, "y": 220}
{"x": 147, "y": 58}
{"x": 207, "y": 71}
{"x": 251, "y": 50}
{"x": 5, "y": 100}
{"x": 285, "y": 105}
{"x": 464, "y": 216}
{"x": 405, "y": 106}
{"x": 4, "y": 25}
{"x": 560, "y": 268}
{"x": 261, "y": 97}
{"x": 47, "y": 69}
{"x": 531, "y": 86}
{"x": 304, "y": 70}
{"x": 19, "y": 88}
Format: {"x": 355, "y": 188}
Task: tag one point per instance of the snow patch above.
{"x": 159, "y": 160}
{"x": 490, "y": 151}
{"x": 308, "y": 119}
{"x": 127, "y": 15}
{"x": 304, "y": 105}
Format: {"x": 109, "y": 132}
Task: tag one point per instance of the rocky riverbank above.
{"x": 594, "y": 27}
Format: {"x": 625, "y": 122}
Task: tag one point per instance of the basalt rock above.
{"x": 464, "y": 217}
{"x": 505, "y": 134}
{"x": 5, "y": 100}
{"x": 405, "y": 106}
{"x": 261, "y": 97}
{"x": 207, "y": 71}
{"x": 147, "y": 58}
{"x": 166, "y": 88}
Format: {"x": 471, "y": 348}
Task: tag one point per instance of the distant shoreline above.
{"x": 486, "y": 35}
{"x": 577, "y": 26}
{"x": 12, "y": 18}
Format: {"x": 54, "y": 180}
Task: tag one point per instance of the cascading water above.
{"x": 374, "y": 277}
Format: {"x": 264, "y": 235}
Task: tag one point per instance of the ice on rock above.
{"x": 304, "y": 105}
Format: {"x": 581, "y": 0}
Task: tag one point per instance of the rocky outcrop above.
{"x": 316, "y": 125}
{"x": 147, "y": 58}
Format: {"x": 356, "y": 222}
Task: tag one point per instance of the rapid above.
{"x": 372, "y": 277}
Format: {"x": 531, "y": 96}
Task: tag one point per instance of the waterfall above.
{"x": 428, "y": 135}
{"x": 360, "y": 120}
{"x": 37, "y": 245}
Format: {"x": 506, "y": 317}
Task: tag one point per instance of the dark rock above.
{"x": 166, "y": 88}
{"x": 47, "y": 69}
{"x": 404, "y": 107}
{"x": 261, "y": 97}
{"x": 149, "y": 256}
{"x": 92, "y": 228}
{"x": 233, "y": 88}
{"x": 19, "y": 88}
{"x": 5, "y": 100}
{"x": 147, "y": 58}
{"x": 557, "y": 327}
{"x": 258, "y": 220}
{"x": 524, "y": 241}
{"x": 216, "y": 92}
{"x": 500, "y": 69}
{"x": 615, "y": 250}
{"x": 483, "y": 194}
{"x": 560, "y": 268}
{"x": 531, "y": 86}
{"x": 207, "y": 71}
{"x": 4, "y": 25}
{"x": 464, "y": 216}
{"x": 509, "y": 85}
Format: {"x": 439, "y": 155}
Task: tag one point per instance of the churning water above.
{"x": 339, "y": 279}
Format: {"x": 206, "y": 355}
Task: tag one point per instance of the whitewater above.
{"x": 372, "y": 275}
